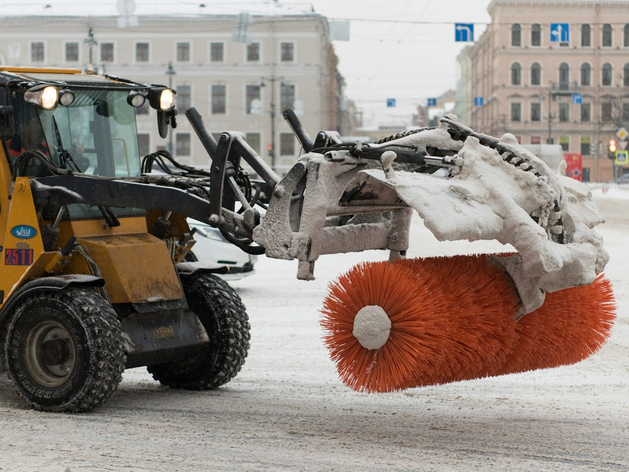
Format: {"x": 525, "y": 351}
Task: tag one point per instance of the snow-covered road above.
{"x": 287, "y": 410}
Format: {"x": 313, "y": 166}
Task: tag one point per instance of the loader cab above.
{"x": 71, "y": 121}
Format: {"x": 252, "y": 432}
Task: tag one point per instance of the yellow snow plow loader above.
{"x": 96, "y": 274}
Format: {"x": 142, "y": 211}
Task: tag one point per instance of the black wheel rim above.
{"x": 50, "y": 353}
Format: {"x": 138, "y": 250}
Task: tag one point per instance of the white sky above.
{"x": 393, "y": 58}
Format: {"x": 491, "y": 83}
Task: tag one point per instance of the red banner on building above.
{"x": 575, "y": 165}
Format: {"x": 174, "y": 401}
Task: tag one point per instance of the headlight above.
{"x": 167, "y": 99}
{"x": 162, "y": 98}
{"x": 45, "y": 96}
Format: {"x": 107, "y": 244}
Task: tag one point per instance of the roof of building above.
{"x": 554, "y": 1}
{"x": 171, "y": 8}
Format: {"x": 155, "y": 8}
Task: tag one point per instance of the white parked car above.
{"x": 211, "y": 246}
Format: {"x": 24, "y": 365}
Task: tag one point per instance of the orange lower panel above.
{"x": 136, "y": 267}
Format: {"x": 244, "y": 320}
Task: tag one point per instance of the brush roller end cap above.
{"x": 372, "y": 327}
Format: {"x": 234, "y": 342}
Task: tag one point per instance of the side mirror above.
{"x": 7, "y": 123}
{"x": 164, "y": 119}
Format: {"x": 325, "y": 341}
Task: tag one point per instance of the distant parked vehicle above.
{"x": 624, "y": 179}
{"x": 211, "y": 246}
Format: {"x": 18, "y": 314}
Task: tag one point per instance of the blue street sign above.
{"x": 432, "y": 102}
{"x": 577, "y": 99}
{"x": 622, "y": 158}
{"x": 463, "y": 32}
{"x": 390, "y": 102}
{"x": 479, "y": 102}
{"x": 560, "y": 32}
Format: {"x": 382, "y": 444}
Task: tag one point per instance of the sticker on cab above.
{"x": 23, "y": 232}
{"x": 18, "y": 257}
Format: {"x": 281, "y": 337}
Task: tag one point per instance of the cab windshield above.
{"x": 96, "y": 134}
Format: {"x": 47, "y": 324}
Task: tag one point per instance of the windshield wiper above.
{"x": 65, "y": 156}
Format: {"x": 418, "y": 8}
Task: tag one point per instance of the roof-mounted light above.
{"x": 44, "y": 96}
{"x": 162, "y": 98}
{"x": 66, "y": 97}
{"x": 136, "y": 99}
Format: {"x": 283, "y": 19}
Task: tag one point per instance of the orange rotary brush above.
{"x": 411, "y": 323}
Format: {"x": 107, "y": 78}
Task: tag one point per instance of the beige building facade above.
{"x": 552, "y": 72}
{"x": 240, "y": 67}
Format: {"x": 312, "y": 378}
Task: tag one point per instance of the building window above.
{"x": 516, "y": 35}
{"x": 516, "y": 112}
{"x": 38, "y": 51}
{"x": 585, "y": 145}
{"x": 586, "y": 112}
{"x": 536, "y": 74}
{"x": 607, "y": 35}
{"x": 536, "y": 34}
{"x": 183, "y": 52}
{"x": 516, "y": 74}
{"x": 564, "y": 112}
{"x": 625, "y": 112}
{"x": 107, "y": 52}
{"x": 72, "y": 52}
{"x": 287, "y": 52}
{"x": 141, "y": 52}
{"x": 253, "y": 139}
{"x": 536, "y": 111}
{"x": 287, "y": 96}
{"x": 253, "y": 52}
{"x": 536, "y": 140}
{"x": 586, "y": 34}
{"x": 606, "y": 78}
{"x": 625, "y": 75}
{"x": 564, "y": 141}
{"x": 217, "y": 52}
{"x": 219, "y": 99}
{"x": 287, "y": 144}
{"x": 564, "y": 76}
{"x": 586, "y": 72}
{"x": 183, "y": 97}
{"x": 144, "y": 143}
{"x": 183, "y": 144}
{"x": 253, "y": 100}
{"x": 606, "y": 112}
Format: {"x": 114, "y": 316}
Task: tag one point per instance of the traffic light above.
{"x": 612, "y": 148}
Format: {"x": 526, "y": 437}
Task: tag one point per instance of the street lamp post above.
{"x": 272, "y": 114}
{"x": 170, "y": 72}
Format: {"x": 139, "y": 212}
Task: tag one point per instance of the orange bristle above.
{"x": 572, "y": 325}
{"x": 394, "y": 288}
{"x": 480, "y": 306}
{"x": 447, "y": 324}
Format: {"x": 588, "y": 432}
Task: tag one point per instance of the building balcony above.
{"x": 564, "y": 88}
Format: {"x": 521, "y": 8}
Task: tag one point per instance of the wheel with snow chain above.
{"x": 225, "y": 320}
{"x": 64, "y": 351}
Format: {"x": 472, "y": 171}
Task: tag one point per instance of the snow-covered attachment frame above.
{"x": 465, "y": 186}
